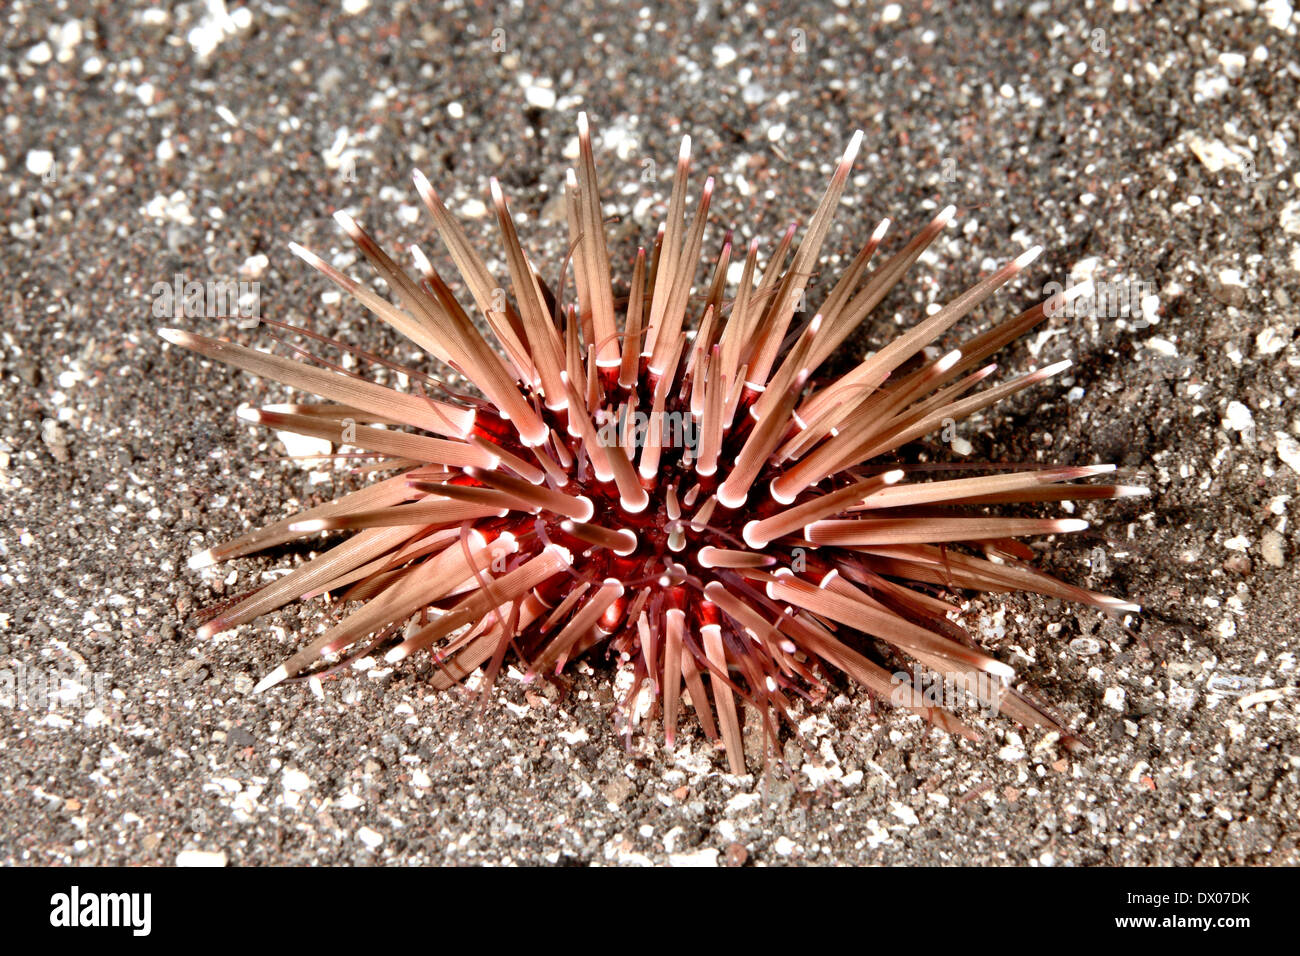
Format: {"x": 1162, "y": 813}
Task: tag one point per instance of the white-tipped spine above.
{"x": 1028, "y": 256}
{"x": 271, "y": 679}
{"x": 202, "y": 559}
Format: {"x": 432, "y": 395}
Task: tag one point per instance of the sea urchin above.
{"x": 694, "y": 499}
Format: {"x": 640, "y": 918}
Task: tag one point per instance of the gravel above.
{"x": 1152, "y": 149}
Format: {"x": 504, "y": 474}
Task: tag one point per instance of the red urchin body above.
{"x": 728, "y": 524}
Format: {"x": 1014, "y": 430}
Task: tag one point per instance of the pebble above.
{"x": 723, "y": 55}
{"x": 1271, "y": 548}
{"x": 541, "y": 97}
{"x": 305, "y": 451}
{"x": 706, "y": 857}
{"x": 1012, "y": 752}
{"x": 1288, "y": 449}
{"x": 1289, "y": 218}
{"x": 254, "y": 266}
{"x": 906, "y": 814}
{"x": 1213, "y": 154}
{"x": 1233, "y": 64}
{"x": 201, "y": 858}
{"x": 1271, "y": 341}
{"x": 56, "y": 440}
{"x": 736, "y": 855}
{"x": 1238, "y": 417}
{"x": 1085, "y": 646}
{"x": 1230, "y": 288}
{"x": 1230, "y": 685}
{"x": 28, "y": 372}
{"x": 295, "y": 781}
{"x": 39, "y": 161}
{"x": 1277, "y": 13}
